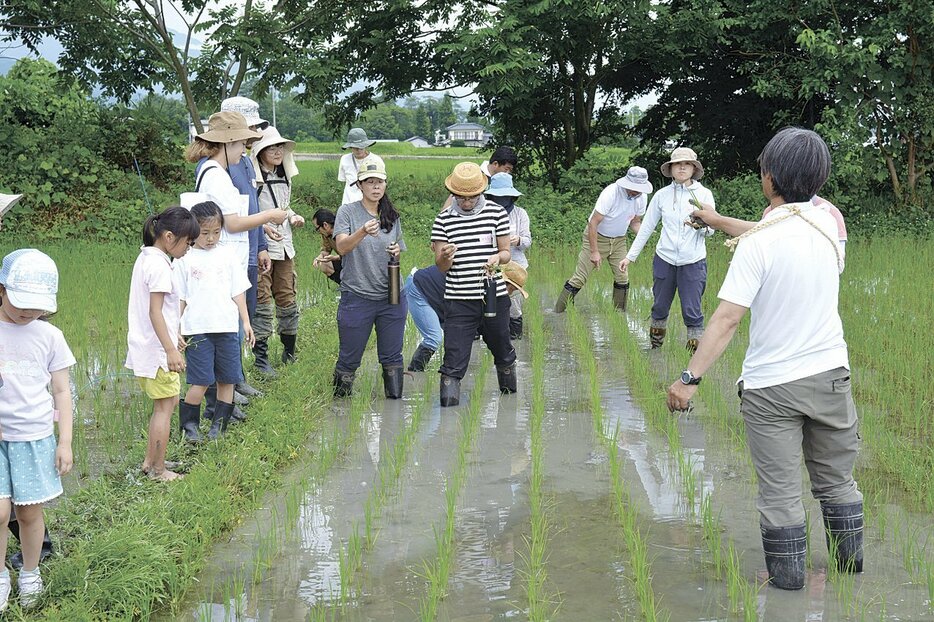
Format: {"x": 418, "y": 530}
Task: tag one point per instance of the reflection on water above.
{"x": 588, "y": 567}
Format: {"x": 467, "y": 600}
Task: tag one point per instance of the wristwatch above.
{"x": 688, "y": 378}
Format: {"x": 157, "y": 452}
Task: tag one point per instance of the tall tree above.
{"x": 540, "y": 68}
{"x": 126, "y": 45}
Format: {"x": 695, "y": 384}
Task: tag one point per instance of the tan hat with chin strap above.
{"x": 467, "y": 180}
{"x": 683, "y": 154}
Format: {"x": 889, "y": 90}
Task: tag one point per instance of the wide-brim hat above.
{"x": 501, "y": 186}
{"x": 7, "y": 201}
{"x": 272, "y": 137}
{"x": 357, "y": 139}
{"x": 228, "y": 127}
{"x": 371, "y": 167}
{"x": 636, "y": 179}
{"x": 248, "y": 108}
{"x": 30, "y": 278}
{"x": 515, "y": 275}
{"x": 467, "y": 180}
{"x": 683, "y": 154}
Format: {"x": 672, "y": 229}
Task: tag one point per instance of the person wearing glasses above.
{"x": 274, "y": 161}
{"x": 328, "y": 260}
{"x": 470, "y": 240}
{"x": 367, "y": 233}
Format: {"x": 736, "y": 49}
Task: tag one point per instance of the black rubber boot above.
{"x": 657, "y": 336}
{"x": 261, "y": 358}
{"x": 420, "y": 358}
{"x": 785, "y": 553}
{"x": 210, "y": 399}
{"x": 844, "y": 527}
{"x": 343, "y": 383}
{"x": 392, "y": 382}
{"x": 450, "y": 391}
{"x": 507, "y": 378}
{"x": 16, "y": 559}
{"x": 565, "y": 298}
{"x": 189, "y": 416}
{"x": 244, "y": 388}
{"x": 221, "y": 418}
{"x": 288, "y": 348}
{"x": 515, "y": 327}
{"x": 620, "y": 295}
{"x": 237, "y": 415}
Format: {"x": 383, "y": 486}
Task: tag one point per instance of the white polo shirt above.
{"x": 787, "y": 275}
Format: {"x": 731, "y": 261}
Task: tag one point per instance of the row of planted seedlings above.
{"x": 648, "y": 390}
{"x": 718, "y": 404}
{"x": 147, "y": 541}
{"x": 625, "y": 511}
{"x": 542, "y": 601}
{"x": 436, "y": 572}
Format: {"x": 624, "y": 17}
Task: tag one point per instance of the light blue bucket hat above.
{"x": 501, "y": 186}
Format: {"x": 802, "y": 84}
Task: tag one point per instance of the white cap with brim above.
{"x": 30, "y": 278}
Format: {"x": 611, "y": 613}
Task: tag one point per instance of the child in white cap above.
{"x": 33, "y": 355}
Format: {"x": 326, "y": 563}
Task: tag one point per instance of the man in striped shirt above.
{"x": 470, "y": 239}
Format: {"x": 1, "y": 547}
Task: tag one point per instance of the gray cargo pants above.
{"x": 813, "y": 416}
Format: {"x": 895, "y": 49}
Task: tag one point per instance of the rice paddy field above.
{"x": 578, "y": 498}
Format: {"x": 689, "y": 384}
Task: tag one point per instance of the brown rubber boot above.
{"x": 620, "y": 295}
{"x": 565, "y": 298}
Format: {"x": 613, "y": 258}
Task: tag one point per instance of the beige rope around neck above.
{"x": 794, "y": 209}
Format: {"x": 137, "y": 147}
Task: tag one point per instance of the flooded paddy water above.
{"x": 354, "y": 543}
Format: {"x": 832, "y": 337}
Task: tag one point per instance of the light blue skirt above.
{"x": 27, "y": 471}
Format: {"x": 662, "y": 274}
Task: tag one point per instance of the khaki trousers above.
{"x": 612, "y": 250}
{"x": 278, "y": 283}
{"x": 814, "y": 417}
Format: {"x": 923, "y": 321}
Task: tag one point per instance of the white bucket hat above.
{"x": 683, "y": 154}
{"x": 7, "y": 201}
{"x": 248, "y": 108}
{"x": 636, "y": 179}
{"x": 30, "y": 278}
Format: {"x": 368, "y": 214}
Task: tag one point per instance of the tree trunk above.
{"x": 241, "y": 70}
{"x": 911, "y": 165}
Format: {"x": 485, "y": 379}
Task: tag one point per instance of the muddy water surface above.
{"x": 275, "y": 568}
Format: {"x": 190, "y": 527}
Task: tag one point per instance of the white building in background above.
{"x": 472, "y": 134}
{"x": 418, "y": 142}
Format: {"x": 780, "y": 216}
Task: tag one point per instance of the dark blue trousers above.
{"x": 461, "y": 320}
{"x": 356, "y": 317}
{"x": 689, "y": 281}
{"x": 252, "y": 272}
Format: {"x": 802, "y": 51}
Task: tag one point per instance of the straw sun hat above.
{"x": 515, "y": 275}
{"x": 467, "y": 180}
{"x": 683, "y": 154}
{"x": 228, "y": 127}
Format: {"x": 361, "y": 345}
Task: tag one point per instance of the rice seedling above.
{"x": 437, "y": 571}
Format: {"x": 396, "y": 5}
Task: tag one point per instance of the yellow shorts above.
{"x": 165, "y": 384}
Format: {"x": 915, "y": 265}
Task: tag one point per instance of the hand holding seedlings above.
{"x": 371, "y": 226}
{"x": 448, "y": 250}
{"x": 679, "y": 397}
{"x": 696, "y": 219}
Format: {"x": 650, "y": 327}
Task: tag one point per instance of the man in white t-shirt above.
{"x": 795, "y": 383}
{"x": 359, "y": 145}
{"x": 619, "y": 208}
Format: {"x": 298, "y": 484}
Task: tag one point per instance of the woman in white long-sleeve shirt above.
{"x": 680, "y": 262}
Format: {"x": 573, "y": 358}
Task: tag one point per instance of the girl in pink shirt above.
{"x": 154, "y": 346}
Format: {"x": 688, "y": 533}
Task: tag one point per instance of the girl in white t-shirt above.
{"x": 33, "y": 355}
{"x": 153, "y": 345}
{"x": 212, "y": 289}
